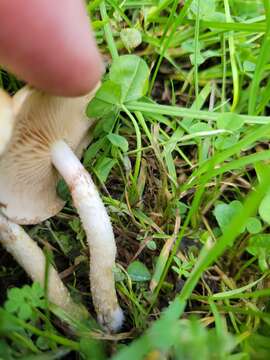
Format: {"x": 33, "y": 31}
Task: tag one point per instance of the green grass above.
{"x": 181, "y": 157}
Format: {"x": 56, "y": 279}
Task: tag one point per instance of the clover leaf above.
{"x": 21, "y": 302}
{"x": 259, "y": 245}
{"x": 127, "y": 81}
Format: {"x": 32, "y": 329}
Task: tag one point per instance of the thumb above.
{"x": 49, "y": 44}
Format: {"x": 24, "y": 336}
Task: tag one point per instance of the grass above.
{"x": 181, "y": 157}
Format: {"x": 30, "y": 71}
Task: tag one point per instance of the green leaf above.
{"x": 43, "y": 343}
{"x": 7, "y": 323}
{"x": 105, "y": 125}
{"x": 36, "y": 294}
{"x": 128, "y": 80}
{"x": 257, "y": 242}
{"x": 216, "y": 16}
{"x": 66, "y": 242}
{"x": 189, "y": 45}
{"x": 106, "y": 100}
{"x": 249, "y": 9}
{"x": 138, "y": 272}
{"x": 25, "y": 312}
{"x": 12, "y": 306}
{"x": 92, "y": 349}
{"x": 259, "y": 168}
{"x": 207, "y": 7}
{"x": 63, "y": 190}
{"x": 224, "y": 213}
{"x": 151, "y": 245}
{"x": 131, "y": 38}
{"x": 253, "y": 225}
{"x": 199, "y": 127}
{"x": 5, "y": 351}
{"x": 249, "y": 66}
{"x": 76, "y": 226}
{"x": 93, "y": 150}
{"x": 132, "y": 73}
{"x": 118, "y": 141}
{"x": 103, "y": 167}
{"x": 199, "y": 60}
{"x": 21, "y": 301}
{"x": 230, "y": 121}
{"x": 259, "y": 245}
{"x": 16, "y": 294}
{"x": 264, "y": 209}
{"x": 224, "y": 141}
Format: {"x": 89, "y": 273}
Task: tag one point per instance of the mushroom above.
{"x": 33, "y": 261}
{"x": 49, "y": 135}
{"x": 15, "y": 239}
{"x": 6, "y": 119}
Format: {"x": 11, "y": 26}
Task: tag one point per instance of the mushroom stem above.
{"x": 32, "y": 259}
{"x": 99, "y": 234}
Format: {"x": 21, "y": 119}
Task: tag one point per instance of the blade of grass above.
{"x": 233, "y": 165}
{"x": 234, "y": 68}
{"x": 232, "y": 26}
{"x": 190, "y": 217}
{"x": 164, "y": 254}
{"x": 49, "y": 335}
{"x": 265, "y": 98}
{"x": 261, "y": 61}
{"x": 92, "y": 5}
{"x": 245, "y": 142}
{"x": 153, "y": 13}
{"x": 166, "y": 40}
{"x": 138, "y": 145}
{"x": 211, "y": 252}
{"x": 196, "y": 49}
{"x": 121, "y": 12}
{"x": 235, "y": 293}
{"x": 224, "y": 71}
{"x": 189, "y": 113}
{"x": 151, "y": 339}
{"x": 108, "y": 31}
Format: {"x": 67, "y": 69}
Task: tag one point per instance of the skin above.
{"x": 49, "y": 44}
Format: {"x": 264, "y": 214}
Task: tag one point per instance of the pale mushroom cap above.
{"x": 19, "y": 98}
{"x": 6, "y": 119}
{"x": 27, "y": 177}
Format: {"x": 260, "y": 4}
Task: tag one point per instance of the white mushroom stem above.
{"x": 99, "y": 234}
{"x": 32, "y": 259}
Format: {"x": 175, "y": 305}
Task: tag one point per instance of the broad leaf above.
{"x": 93, "y": 150}
{"x": 253, "y": 225}
{"x": 132, "y": 73}
{"x": 104, "y": 167}
{"x": 118, "y": 141}
{"x": 138, "y": 272}
{"x": 259, "y": 245}
{"x": 199, "y": 127}
{"x": 230, "y": 121}
{"x": 105, "y": 101}
{"x": 224, "y": 213}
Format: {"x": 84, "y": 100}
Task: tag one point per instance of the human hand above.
{"x": 49, "y": 44}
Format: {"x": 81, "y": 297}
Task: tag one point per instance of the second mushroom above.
{"x": 49, "y": 135}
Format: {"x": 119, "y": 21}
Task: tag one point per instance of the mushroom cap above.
{"x": 19, "y": 98}
{"x": 6, "y": 119}
{"x": 27, "y": 177}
